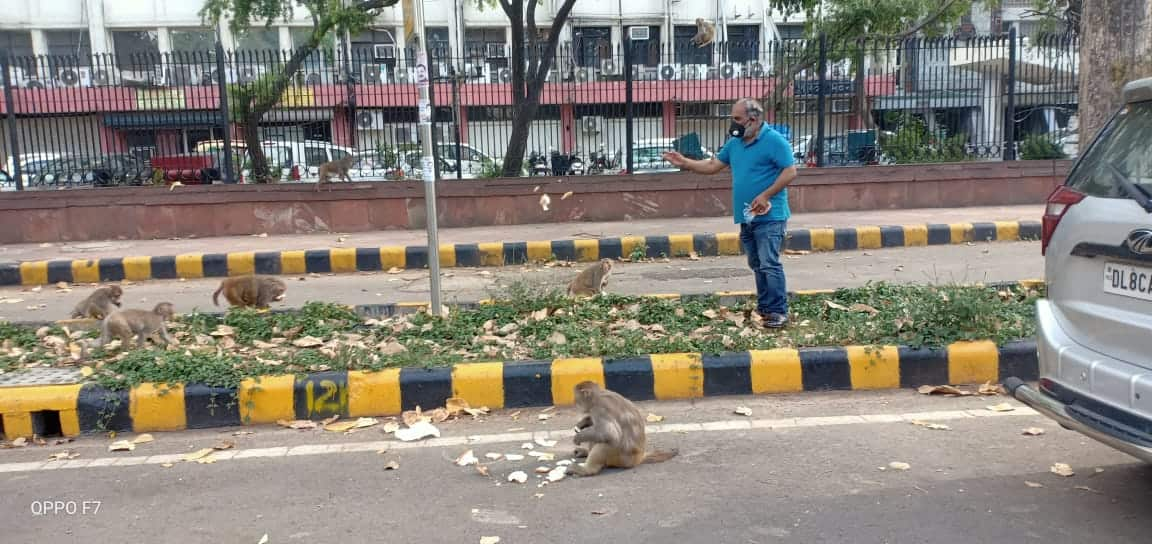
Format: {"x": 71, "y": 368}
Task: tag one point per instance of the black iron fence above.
{"x": 140, "y": 119}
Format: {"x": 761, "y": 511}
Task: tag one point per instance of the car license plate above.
{"x": 1127, "y": 280}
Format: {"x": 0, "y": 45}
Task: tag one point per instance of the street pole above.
{"x": 415, "y": 32}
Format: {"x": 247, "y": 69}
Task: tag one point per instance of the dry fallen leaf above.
{"x": 224, "y": 445}
{"x": 566, "y": 195}
{"x": 863, "y": 308}
{"x": 168, "y": 465}
{"x": 489, "y": 540}
{"x": 86, "y": 371}
{"x": 63, "y": 456}
{"x": 557, "y": 338}
{"x": 898, "y": 465}
{"x": 421, "y": 430}
{"x": 557, "y": 474}
{"x": 467, "y": 458}
{"x": 1086, "y": 488}
{"x": 263, "y": 539}
{"x": 299, "y": 424}
{"x": 545, "y": 201}
{"x": 390, "y": 427}
{"x": 307, "y": 342}
{"x": 834, "y": 305}
{"x": 143, "y": 438}
{"x": 1002, "y": 407}
{"x": 544, "y": 417}
{"x": 543, "y": 470}
{"x": 1033, "y": 484}
{"x": 942, "y": 390}
{"x": 990, "y": 388}
{"x": 411, "y": 417}
{"x": 542, "y": 456}
{"x": 518, "y": 477}
{"x": 514, "y": 457}
{"x": 494, "y": 456}
{"x": 653, "y": 418}
{"x": 19, "y": 442}
{"x": 933, "y": 426}
{"x": 545, "y": 442}
{"x": 223, "y": 330}
{"x": 1033, "y": 431}
{"x": 243, "y": 433}
{"x": 391, "y": 347}
{"x": 743, "y": 411}
{"x": 1061, "y": 469}
{"x": 121, "y": 445}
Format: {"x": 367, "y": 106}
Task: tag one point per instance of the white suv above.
{"x": 1094, "y": 330}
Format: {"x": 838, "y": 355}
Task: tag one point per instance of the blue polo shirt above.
{"x": 755, "y": 166}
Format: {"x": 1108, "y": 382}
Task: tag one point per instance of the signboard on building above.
{"x": 160, "y": 99}
{"x": 811, "y": 87}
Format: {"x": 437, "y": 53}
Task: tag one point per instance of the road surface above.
{"x": 987, "y": 262}
{"x": 807, "y": 468}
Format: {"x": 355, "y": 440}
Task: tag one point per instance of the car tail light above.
{"x": 295, "y": 174}
{"x": 1058, "y": 203}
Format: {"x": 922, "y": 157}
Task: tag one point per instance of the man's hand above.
{"x": 674, "y": 157}
{"x": 760, "y": 205}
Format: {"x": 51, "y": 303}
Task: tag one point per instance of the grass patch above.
{"x": 532, "y": 323}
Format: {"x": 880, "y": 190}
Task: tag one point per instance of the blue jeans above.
{"x": 762, "y": 243}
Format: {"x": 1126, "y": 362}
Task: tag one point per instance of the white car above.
{"x": 1095, "y": 326}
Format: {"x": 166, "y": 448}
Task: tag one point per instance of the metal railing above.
{"x": 141, "y": 119}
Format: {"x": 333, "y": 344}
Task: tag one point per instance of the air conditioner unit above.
{"x": 693, "y": 72}
{"x": 248, "y": 74}
{"x": 102, "y": 78}
{"x": 638, "y": 33}
{"x": 476, "y": 71}
{"x": 312, "y": 78}
{"x": 728, "y": 70}
{"x": 841, "y": 105}
{"x": 585, "y": 75}
{"x": 496, "y": 51}
{"x": 592, "y": 123}
{"x": 721, "y": 109}
{"x": 669, "y": 72}
{"x": 369, "y": 120}
{"x": 74, "y": 77}
{"x": 501, "y": 75}
{"x": 373, "y": 74}
{"x": 754, "y": 70}
{"x": 608, "y": 67}
{"x": 383, "y": 51}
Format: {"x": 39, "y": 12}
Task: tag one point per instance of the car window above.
{"x": 338, "y": 154}
{"x": 315, "y": 156}
{"x": 413, "y": 160}
{"x": 4, "y": 176}
{"x": 647, "y": 154}
{"x": 1123, "y": 144}
{"x": 278, "y": 155}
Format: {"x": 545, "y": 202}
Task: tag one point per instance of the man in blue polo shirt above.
{"x": 762, "y": 167}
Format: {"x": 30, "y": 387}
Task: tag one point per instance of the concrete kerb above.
{"x": 371, "y": 259}
{"x": 79, "y": 408}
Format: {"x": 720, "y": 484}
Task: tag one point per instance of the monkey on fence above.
{"x": 613, "y": 428}
{"x": 338, "y": 167}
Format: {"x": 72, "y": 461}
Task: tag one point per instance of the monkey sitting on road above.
{"x": 338, "y": 167}
{"x": 705, "y": 33}
{"x": 124, "y": 324}
{"x": 591, "y": 280}
{"x": 102, "y": 301}
{"x": 614, "y": 429}
{"x": 253, "y": 290}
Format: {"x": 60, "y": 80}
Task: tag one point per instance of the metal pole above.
{"x": 428, "y": 164}
{"x": 628, "y": 113}
{"x": 823, "y": 82}
{"x": 226, "y": 127}
{"x": 456, "y": 116}
{"x": 9, "y": 103}
{"x": 1010, "y": 119}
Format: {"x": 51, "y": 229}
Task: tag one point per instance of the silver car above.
{"x": 1094, "y": 330}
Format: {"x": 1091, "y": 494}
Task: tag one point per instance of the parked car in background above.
{"x": 648, "y": 155}
{"x": 102, "y": 171}
{"x": 1093, "y": 328}
{"x": 7, "y": 182}
{"x": 31, "y": 164}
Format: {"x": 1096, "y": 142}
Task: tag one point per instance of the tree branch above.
{"x": 533, "y": 40}
{"x": 516, "y": 18}
{"x": 553, "y": 40}
{"x": 927, "y": 21}
{"x": 375, "y": 4}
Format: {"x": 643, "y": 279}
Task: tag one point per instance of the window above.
{"x": 338, "y": 154}
{"x": 136, "y": 50}
{"x": 364, "y": 49}
{"x": 743, "y": 43}
{"x": 591, "y": 45}
{"x": 1123, "y": 145}
{"x": 315, "y": 156}
{"x": 646, "y": 52}
{"x": 72, "y": 44}
{"x": 686, "y": 52}
{"x": 438, "y": 44}
{"x": 316, "y": 60}
{"x": 192, "y": 40}
{"x": 259, "y": 45}
{"x": 791, "y": 32}
{"x": 18, "y": 45}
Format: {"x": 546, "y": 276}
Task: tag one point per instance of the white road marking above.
{"x": 511, "y": 438}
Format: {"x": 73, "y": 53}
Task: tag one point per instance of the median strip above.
{"x": 249, "y": 367}
{"x": 495, "y": 254}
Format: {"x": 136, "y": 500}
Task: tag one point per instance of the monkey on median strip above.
{"x": 124, "y": 324}
{"x": 591, "y": 280}
{"x": 252, "y": 290}
{"x": 102, "y": 301}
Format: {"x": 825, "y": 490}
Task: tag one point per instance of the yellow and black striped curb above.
{"x": 368, "y": 259}
{"x": 77, "y": 408}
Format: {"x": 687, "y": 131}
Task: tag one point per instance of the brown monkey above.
{"x": 338, "y": 167}
{"x": 614, "y": 428}
{"x": 591, "y": 280}
{"x": 705, "y": 33}
{"x": 252, "y": 290}
{"x": 102, "y": 301}
{"x": 124, "y": 324}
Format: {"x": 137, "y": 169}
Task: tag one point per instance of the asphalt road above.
{"x": 803, "y": 468}
{"x": 987, "y": 262}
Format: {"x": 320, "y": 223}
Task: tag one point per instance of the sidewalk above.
{"x": 509, "y": 233}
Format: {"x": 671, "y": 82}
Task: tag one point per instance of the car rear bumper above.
{"x": 1101, "y": 397}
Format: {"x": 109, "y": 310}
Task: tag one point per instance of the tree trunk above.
{"x": 518, "y": 141}
{"x": 1115, "y": 48}
{"x": 259, "y": 170}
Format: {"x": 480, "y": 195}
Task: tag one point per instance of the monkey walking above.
{"x": 252, "y": 290}
{"x": 102, "y": 301}
{"x": 338, "y": 167}
{"x": 124, "y": 324}
{"x": 591, "y": 280}
{"x": 705, "y": 33}
{"x": 613, "y": 427}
